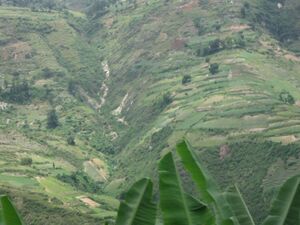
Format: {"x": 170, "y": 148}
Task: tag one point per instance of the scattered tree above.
{"x": 71, "y": 140}
{"x": 214, "y": 68}
{"x": 243, "y": 12}
{"x": 186, "y": 79}
{"x": 286, "y": 97}
{"x": 52, "y": 119}
{"x": 72, "y": 87}
{"x": 97, "y": 8}
{"x": 26, "y": 161}
{"x": 49, "y": 73}
{"x": 166, "y": 100}
{"x": 217, "y": 26}
{"x": 81, "y": 181}
{"x": 17, "y": 91}
{"x": 198, "y": 23}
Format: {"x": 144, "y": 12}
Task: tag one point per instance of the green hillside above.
{"x": 239, "y": 119}
{"x": 43, "y": 60}
{"x": 130, "y": 79}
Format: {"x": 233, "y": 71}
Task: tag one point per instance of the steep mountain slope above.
{"x": 127, "y": 85}
{"x": 44, "y": 59}
{"x": 243, "y": 120}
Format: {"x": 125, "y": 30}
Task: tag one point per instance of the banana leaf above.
{"x": 200, "y": 213}
{"x": 208, "y": 189}
{"x": 138, "y": 207}
{"x": 285, "y": 208}
{"x": 9, "y": 215}
{"x": 177, "y": 207}
{"x": 238, "y": 206}
{"x": 1, "y": 217}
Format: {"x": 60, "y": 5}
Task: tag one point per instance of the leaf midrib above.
{"x": 139, "y": 202}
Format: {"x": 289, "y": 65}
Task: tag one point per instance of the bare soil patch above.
{"x": 188, "y": 6}
{"x": 89, "y": 202}
{"x": 238, "y": 27}
{"x": 16, "y": 51}
{"x": 292, "y": 57}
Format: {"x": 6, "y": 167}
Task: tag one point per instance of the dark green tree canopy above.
{"x": 52, "y": 119}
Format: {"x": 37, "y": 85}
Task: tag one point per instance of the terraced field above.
{"x": 46, "y": 51}
{"x": 155, "y": 45}
{"x": 117, "y": 85}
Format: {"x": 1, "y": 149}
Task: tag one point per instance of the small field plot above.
{"x": 18, "y": 181}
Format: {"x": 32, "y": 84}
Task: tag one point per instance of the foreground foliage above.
{"x": 213, "y": 207}
{"x": 177, "y": 207}
{"x": 8, "y": 214}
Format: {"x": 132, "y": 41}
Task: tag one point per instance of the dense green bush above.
{"x": 286, "y": 97}
{"x": 166, "y": 100}
{"x": 81, "y": 181}
{"x": 199, "y": 24}
{"x": 49, "y": 73}
{"x": 30, "y": 26}
{"x": 214, "y": 68}
{"x": 98, "y": 8}
{"x": 244, "y": 9}
{"x": 72, "y": 87}
{"x": 186, "y": 79}
{"x": 52, "y": 119}
{"x": 217, "y": 45}
{"x": 17, "y": 91}
{"x": 26, "y": 161}
{"x": 71, "y": 140}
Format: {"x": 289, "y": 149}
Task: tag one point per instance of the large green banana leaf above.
{"x": 9, "y": 215}
{"x": 209, "y": 191}
{"x": 285, "y": 209}
{"x": 138, "y": 207}
{"x": 200, "y": 213}
{"x": 1, "y": 217}
{"x": 239, "y": 207}
{"x": 178, "y": 208}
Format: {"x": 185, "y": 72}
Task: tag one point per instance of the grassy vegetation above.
{"x": 149, "y": 48}
{"x": 213, "y": 207}
{"x": 40, "y": 54}
{"x": 156, "y": 44}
